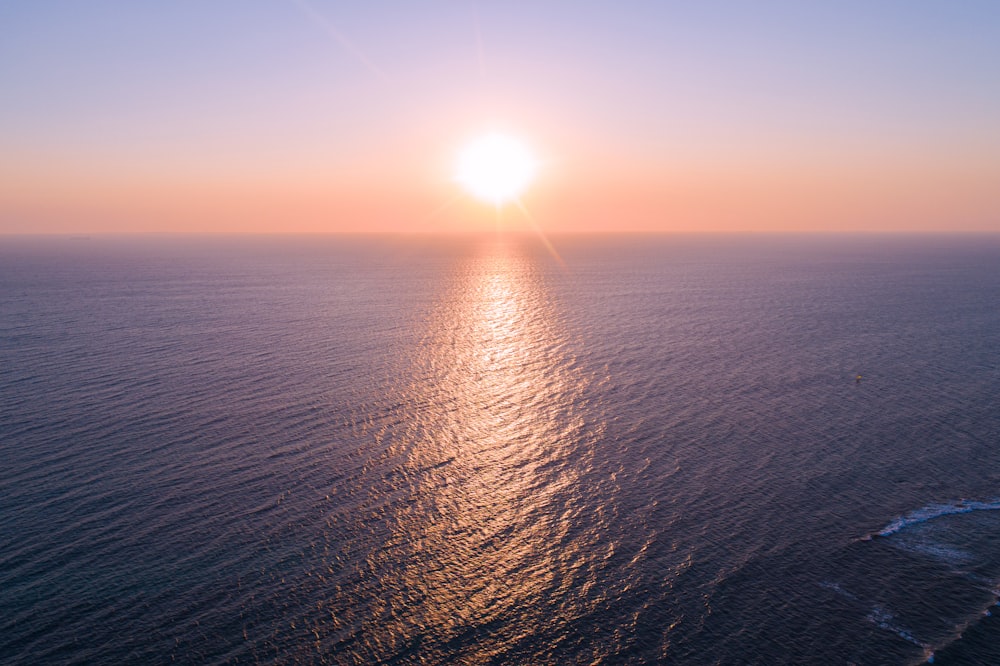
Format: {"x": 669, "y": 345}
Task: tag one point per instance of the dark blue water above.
{"x": 432, "y": 450}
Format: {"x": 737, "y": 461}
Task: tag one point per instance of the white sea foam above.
{"x": 946, "y": 554}
{"x": 884, "y": 619}
{"x": 932, "y": 511}
{"x": 828, "y": 585}
{"x": 957, "y": 632}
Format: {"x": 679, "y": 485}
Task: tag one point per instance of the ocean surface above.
{"x": 480, "y": 450}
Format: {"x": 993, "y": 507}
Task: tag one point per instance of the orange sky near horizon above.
{"x": 736, "y": 124}
{"x": 908, "y": 197}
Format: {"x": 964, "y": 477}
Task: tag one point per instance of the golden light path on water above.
{"x": 490, "y": 545}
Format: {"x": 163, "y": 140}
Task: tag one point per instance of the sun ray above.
{"x": 480, "y": 50}
{"x": 448, "y": 203}
{"x": 340, "y": 38}
{"x": 541, "y": 234}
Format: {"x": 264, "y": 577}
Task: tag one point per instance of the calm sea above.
{"x": 402, "y": 450}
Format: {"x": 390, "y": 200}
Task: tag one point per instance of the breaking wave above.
{"x": 932, "y": 511}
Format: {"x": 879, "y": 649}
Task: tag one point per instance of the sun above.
{"x": 496, "y": 168}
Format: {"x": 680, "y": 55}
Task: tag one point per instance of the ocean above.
{"x": 620, "y": 449}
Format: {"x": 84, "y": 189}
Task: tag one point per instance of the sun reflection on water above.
{"x": 498, "y": 438}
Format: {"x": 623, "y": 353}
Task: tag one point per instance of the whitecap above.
{"x": 932, "y": 511}
{"x": 884, "y": 619}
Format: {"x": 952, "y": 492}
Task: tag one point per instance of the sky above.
{"x": 322, "y": 116}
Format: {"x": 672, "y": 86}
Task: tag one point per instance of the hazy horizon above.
{"x": 513, "y": 233}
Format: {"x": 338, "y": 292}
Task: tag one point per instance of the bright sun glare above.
{"x": 496, "y": 168}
